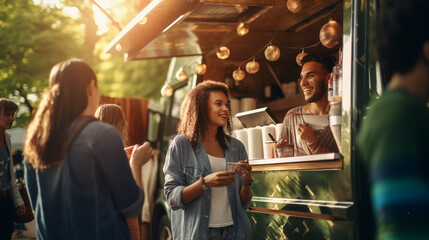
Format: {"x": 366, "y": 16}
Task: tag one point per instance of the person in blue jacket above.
{"x": 86, "y": 191}
{"x": 208, "y": 201}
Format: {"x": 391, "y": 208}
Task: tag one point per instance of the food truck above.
{"x": 255, "y": 47}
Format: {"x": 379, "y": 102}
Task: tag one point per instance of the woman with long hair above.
{"x": 208, "y": 201}
{"x": 114, "y": 115}
{"x": 87, "y": 190}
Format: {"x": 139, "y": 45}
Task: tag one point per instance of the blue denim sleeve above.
{"x": 111, "y": 158}
{"x": 175, "y": 180}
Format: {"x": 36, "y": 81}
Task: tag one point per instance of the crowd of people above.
{"x": 84, "y": 181}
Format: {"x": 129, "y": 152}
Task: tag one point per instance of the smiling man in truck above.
{"x": 307, "y": 126}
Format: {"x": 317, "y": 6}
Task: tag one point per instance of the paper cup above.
{"x": 230, "y": 167}
{"x": 284, "y": 151}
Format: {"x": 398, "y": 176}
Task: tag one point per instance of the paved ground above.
{"x": 28, "y": 234}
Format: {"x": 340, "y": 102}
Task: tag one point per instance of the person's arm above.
{"x": 16, "y": 196}
{"x": 108, "y": 151}
{"x": 139, "y": 157}
{"x": 177, "y": 190}
{"x": 307, "y": 134}
{"x": 217, "y": 179}
{"x": 245, "y": 170}
{"x": 316, "y": 146}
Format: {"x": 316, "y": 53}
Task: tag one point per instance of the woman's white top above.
{"x": 220, "y": 211}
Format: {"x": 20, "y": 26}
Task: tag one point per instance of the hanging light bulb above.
{"x": 238, "y": 74}
{"x": 330, "y": 34}
{"x": 118, "y": 47}
{"x": 167, "y": 90}
{"x": 294, "y": 5}
{"x": 143, "y": 21}
{"x": 240, "y": 8}
{"x": 223, "y": 52}
{"x": 242, "y": 29}
{"x": 181, "y": 75}
{"x": 272, "y": 53}
{"x": 252, "y": 67}
{"x": 300, "y": 56}
{"x": 201, "y": 68}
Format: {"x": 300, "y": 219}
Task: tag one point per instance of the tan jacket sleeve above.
{"x": 16, "y": 196}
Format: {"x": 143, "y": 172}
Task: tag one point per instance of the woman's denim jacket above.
{"x": 184, "y": 166}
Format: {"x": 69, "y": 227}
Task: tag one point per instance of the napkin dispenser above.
{"x": 257, "y": 117}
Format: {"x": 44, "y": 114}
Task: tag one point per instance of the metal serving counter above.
{"x": 311, "y": 162}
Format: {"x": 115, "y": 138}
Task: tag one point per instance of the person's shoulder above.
{"x": 96, "y": 130}
{"x": 294, "y": 112}
{"x": 97, "y": 126}
{"x": 393, "y": 105}
{"x": 388, "y": 113}
{"x": 235, "y": 142}
{"x": 180, "y": 140}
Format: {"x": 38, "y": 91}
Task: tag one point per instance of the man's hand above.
{"x": 306, "y": 133}
{"x": 281, "y": 143}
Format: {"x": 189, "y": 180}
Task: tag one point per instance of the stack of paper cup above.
{"x": 234, "y": 134}
{"x": 335, "y": 121}
{"x": 268, "y": 148}
{"x": 247, "y": 104}
{"x": 242, "y": 136}
{"x": 255, "y": 143}
{"x": 278, "y": 127}
{"x": 236, "y": 124}
{"x": 235, "y": 106}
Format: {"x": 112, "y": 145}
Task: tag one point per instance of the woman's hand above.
{"x": 141, "y": 154}
{"x": 306, "y": 133}
{"x": 244, "y": 168}
{"x": 219, "y": 179}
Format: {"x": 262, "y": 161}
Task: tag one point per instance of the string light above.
{"x": 238, "y": 74}
{"x": 272, "y": 53}
{"x": 330, "y": 34}
{"x": 242, "y": 29}
{"x": 252, "y": 67}
{"x": 143, "y": 21}
{"x": 201, "y": 69}
{"x": 118, "y": 47}
{"x": 223, "y": 52}
{"x": 181, "y": 75}
{"x": 294, "y": 5}
{"x": 167, "y": 90}
{"x": 300, "y": 56}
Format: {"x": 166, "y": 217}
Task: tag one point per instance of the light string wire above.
{"x": 227, "y": 38}
{"x": 288, "y": 47}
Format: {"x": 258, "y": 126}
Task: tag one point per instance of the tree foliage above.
{"x": 32, "y": 40}
{"x": 35, "y": 37}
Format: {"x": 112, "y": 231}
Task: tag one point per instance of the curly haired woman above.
{"x": 207, "y": 201}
